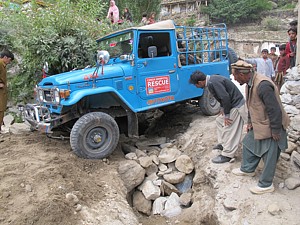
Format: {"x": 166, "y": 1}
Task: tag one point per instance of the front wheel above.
{"x": 208, "y": 104}
{"x": 94, "y": 136}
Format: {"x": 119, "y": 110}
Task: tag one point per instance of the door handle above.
{"x": 172, "y": 71}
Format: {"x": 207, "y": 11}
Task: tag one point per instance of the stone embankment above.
{"x": 290, "y": 97}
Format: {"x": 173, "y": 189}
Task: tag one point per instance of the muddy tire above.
{"x": 208, "y": 104}
{"x": 94, "y": 136}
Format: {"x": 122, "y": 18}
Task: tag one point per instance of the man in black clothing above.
{"x": 233, "y": 113}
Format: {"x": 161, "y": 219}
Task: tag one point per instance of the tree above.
{"x": 236, "y": 11}
{"x": 138, "y": 7}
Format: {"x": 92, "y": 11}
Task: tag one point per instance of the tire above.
{"x": 232, "y": 57}
{"x": 208, "y": 104}
{"x": 94, "y": 136}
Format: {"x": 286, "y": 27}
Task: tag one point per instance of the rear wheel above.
{"x": 231, "y": 56}
{"x": 208, "y": 104}
{"x": 94, "y": 136}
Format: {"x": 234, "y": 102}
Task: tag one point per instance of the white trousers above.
{"x": 230, "y": 136}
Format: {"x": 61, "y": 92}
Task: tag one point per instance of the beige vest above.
{"x": 259, "y": 117}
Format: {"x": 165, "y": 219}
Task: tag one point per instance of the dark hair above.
{"x": 197, "y": 76}
{"x": 282, "y": 47}
{"x": 273, "y": 48}
{"x": 7, "y": 53}
{"x": 292, "y": 29}
{"x": 144, "y": 15}
{"x": 294, "y": 23}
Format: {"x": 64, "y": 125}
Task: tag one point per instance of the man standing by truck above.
{"x": 5, "y": 58}
{"x": 233, "y": 113}
{"x": 267, "y": 124}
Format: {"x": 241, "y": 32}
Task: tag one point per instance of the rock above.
{"x": 145, "y": 161}
{"x": 151, "y": 142}
{"x": 167, "y": 189}
{"x": 168, "y": 155}
{"x": 285, "y": 156}
{"x": 186, "y": 184}
{"x": 174, "y": 177}
{"x": 292, "y": 183}
{"x": 150, "y": 191}
{"x": 139, "y": 153}
{"x": 155, "y": 159}
{"x": 295, "y": 122}
{"x": 28, "y": 188}
{"x": 184, "y": 164}
{"x": 230, "y": 204}
{"x": 185, "y": 199}
{"x": 141, "y": 203}
{"x": 295, "y": 159}
{"x": 291, "y": 147}
{"x": 159, "y": 205}
{"x": 290, "y": 109}
{"x": 172, "y": 206}
{"x": 126, "y": 148}
{"x": 131, "y": 173}
{"x": 151, "y": 169}
{"x": 131, "y": 156}
{"x": 8, "y": 120}
{"x": 19, "y": 128}
{"x": 78, "y": 208}
{"x": 274, "y": 209}
{"x": 162, "y": 167}
{"x": 72, "y": 199}
{"x": 152, "y": 177}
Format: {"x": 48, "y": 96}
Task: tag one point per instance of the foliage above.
{"x": 235, "y": 11}
{"x": 270, "y": 23}
{"x": 62, "y": 35}
{"x": 138, "y": 7}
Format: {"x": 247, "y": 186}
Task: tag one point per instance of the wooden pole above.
{"x": 298, "y": 39}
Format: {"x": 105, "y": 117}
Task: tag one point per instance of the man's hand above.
{"x": 227, "y": 121}
{"x": 249, "y": 127}
{"x": 276, "y": 137}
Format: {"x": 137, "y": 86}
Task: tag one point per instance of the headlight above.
{"x": 40, "y": 95}
{"x": 56, "y": 96}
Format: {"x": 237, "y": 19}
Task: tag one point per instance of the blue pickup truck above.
{"x": 137, "y": 69}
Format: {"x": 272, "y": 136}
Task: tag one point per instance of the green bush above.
{"x": 236, "y": 11}
{"x": 270, "y": 24}
{"x": 62, "y": 35}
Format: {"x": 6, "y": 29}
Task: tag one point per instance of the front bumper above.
{"x": 39, "y": 117}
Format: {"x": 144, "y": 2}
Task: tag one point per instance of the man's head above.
{"x": 242, "y": 71}
{"x": 273, "y": 50}
{"x": 264, "y": 53}
{"x": 292, "y": 32}
{"x": 198, "y": 79}
{"x": 7, "y": 56}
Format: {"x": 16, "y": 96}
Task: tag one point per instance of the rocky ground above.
{"x": 43, "y": 182}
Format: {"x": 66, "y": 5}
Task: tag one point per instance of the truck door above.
{"x": 157, "y": 77}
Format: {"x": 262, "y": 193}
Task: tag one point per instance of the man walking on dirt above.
{"x": 267, "y": 125}
{"x": 5, "y": 58}
{"x": 231, "y": 119}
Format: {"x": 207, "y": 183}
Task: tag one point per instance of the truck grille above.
{"x": 48, "y": 96}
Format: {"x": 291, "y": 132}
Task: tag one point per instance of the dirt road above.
{"x": 42, "y": 182}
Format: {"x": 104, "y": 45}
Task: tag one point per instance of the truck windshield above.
{"x": 118, "y": 45}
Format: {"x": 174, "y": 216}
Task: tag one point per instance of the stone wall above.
{"x": 290, "y": 97}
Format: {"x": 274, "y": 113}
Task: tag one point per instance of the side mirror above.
{"x": 102, "y": 57}
{"x": 152, "y": 51}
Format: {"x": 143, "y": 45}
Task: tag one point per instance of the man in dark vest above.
{"x": 267, "y": 124}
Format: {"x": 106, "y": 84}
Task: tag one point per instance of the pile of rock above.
{"x": 158, "y": 176}
{"x": 290, "y": 97}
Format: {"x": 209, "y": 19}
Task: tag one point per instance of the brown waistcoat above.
{"x": 259, "y": 117}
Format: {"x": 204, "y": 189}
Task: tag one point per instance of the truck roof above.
{"x": 162, "y": 25}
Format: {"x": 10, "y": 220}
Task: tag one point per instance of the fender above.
{"x": 76, "y": 96}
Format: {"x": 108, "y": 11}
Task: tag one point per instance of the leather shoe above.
{"x": 218, "y": 146}
{"x": 221, "y": 159}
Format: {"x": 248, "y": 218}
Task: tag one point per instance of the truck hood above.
{"x": 79, "y": 76}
